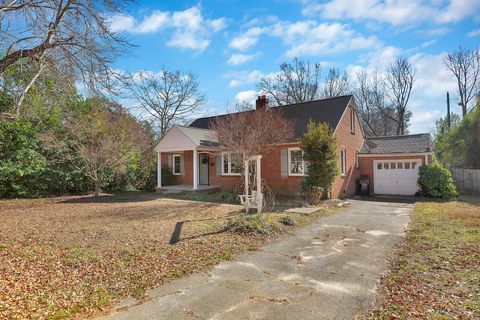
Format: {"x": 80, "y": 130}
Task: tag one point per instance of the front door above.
{"x": 203, "y": 160}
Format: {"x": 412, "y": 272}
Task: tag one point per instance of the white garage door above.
{"x": 396, "y": 177}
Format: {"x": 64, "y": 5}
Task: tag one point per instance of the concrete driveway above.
{"x": 328, "y": 270}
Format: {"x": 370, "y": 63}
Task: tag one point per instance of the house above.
{"x": 390, "y": 163}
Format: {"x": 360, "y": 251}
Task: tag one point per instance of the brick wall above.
{"x": 187, "y": 175}
{"x": 351, "y": 142}
{"x": 271, "y": 165}
{"x": 366, "y": 164}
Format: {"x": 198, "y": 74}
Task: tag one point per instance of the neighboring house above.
{"x": 391, "y": 163}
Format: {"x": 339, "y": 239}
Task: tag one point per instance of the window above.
{"x": 379, "y": 166}
{"x": 343, "y": 161}
{"x": 400, "y": 165}
{"x": 229, "y": 168}
{"x": 352, "y": 121}
{"x": 177, "y": 164}
{"x": 414, "y": 164}
{"x": 386, "y": 165}
{"x": 407, "y": 165}
{"x": 393, "y": 165}
{"x": 296, "y": 165}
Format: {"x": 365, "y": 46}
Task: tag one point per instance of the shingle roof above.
{"x": 200, "y": 137}
{"x": 413, "y": 143}
{"x": 325, "y": 110}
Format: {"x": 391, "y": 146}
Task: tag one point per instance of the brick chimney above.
{"x": 262, "y": 102}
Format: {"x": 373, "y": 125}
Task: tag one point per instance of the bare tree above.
{"x": 465, "y": 66}
{"x": 336, "y": 84}
{"x": 375, "y": 115}
{"x": 399, "y": 80}
{"x": 74, "y": 34}
{"x": 253, "y": 132}
{"x": 168, "y": 97}
{"x": 298, "y": 81}
{"x": 105, "y": 138}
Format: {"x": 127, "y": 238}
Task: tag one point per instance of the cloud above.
{"x": 434, "y": 32}
{"x": 120, "y": 23}
{"x": 242, "y": 78}
{"x": 189, "y": 28}
{"x": 474, "y": 33}
{"x": 394, "y": 12}
{"x": 432, "y": 81}
{"x": 152, "y": 23}
{"x": 236, "y": 59}
{"x": 247, "y": 39}
{"x": 307, "y": 38}
{"x": 310, "y": 38}
{"x": 248, "y": 96}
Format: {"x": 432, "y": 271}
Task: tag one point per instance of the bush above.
{"x": 314, "y": 195}
{"x": 251, "y": 224}
{"x": 436, "y": 181}
{"x": 225, "y": 196}
{"x": 167, "y": 176}
{"x": 286, "y": 220}
{"x": 319, "y": 147}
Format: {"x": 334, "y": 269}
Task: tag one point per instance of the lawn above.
{"x": 73, "y": 257}
{"x": 436, "y": 274}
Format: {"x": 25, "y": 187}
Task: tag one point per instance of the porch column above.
{"x": 159, "y": 170}
{"x": 195, "y": 169}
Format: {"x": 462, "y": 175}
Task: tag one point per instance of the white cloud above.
{"x": 247, "y": 39}
{"x": 248, "y": 96}
{"x": 242, "y": 78}
{"x": 307, "y": 38}
{"x": 189, "y": 28}
{"x": 395, "y": 12}
{"x": 474, "y": 33}
{"x": 152, "y": 23}
{"x": 435, "y": 32}
{"x": 121, "y": 23}
{"x": 236, "y": 59}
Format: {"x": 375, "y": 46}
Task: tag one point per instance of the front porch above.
{"x": 185, "y": 152}
{"x": 188, "y": 188}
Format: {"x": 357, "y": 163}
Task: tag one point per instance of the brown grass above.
{"x": 436, "y": 274}
{"x": 72, "y": 257}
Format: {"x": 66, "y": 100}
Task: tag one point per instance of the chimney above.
{"x": 262, "y": 102}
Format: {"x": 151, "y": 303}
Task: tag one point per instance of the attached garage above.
{"x": 391, "y": 163}
{"x": 396, "y": 176}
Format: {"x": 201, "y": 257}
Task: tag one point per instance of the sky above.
{"x": 231, "y": 44}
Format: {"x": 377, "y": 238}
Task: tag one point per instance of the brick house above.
{"x": 390, "y": 163}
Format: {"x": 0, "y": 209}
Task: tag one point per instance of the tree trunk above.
{"x": 97, "y": 188}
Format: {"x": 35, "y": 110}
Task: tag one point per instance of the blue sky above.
{"x": 230, "y": 44}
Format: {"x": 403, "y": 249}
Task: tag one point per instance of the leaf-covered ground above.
{"x": 71, "y": 257}
{"x": 436, "y": 274}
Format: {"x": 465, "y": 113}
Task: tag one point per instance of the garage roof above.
{"x": 413, "y": 143}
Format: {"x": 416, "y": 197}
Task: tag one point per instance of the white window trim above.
{"x": 289, "y": 162}
{"x": 343, "y": 162}
{"x": 173, "y": 164}
{"x": 352, "y": 121}
{"x": 229, "y": 173}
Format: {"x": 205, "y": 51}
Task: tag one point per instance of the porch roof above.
{"x": 179, "y": 138}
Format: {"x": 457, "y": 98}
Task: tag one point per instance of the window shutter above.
{"x": 219, "y": 165}
{"x": 182, "y": 167}
{"x": 284, "y": 162}
{"x": 170, "y": 162}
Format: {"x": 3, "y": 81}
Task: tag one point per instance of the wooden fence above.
{"x": 467, "y": 180}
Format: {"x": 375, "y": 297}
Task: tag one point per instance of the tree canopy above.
{"x": 459, "y": 146}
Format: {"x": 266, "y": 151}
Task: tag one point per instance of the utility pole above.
{"x": 448, "y": 110}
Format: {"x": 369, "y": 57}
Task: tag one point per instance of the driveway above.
{"x": 328, "y": 270}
